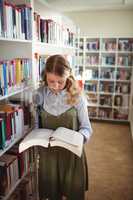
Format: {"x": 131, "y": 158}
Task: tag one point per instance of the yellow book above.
{"x": 18, "y": 71}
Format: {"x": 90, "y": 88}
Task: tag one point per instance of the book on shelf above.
{"x": 62, "y": 137}
{"x": 8, "y": 173}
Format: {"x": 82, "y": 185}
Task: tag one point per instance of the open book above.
{"x": 63, "y": 137}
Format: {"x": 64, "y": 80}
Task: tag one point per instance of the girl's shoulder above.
{"x": 82, "y": 100}
{"x": 39, "y": 95}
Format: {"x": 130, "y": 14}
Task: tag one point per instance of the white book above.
{"x": 63, "y": 137}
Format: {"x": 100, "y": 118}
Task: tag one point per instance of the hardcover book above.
{"x": 63, "y": 137}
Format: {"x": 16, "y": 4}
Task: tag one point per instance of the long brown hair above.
{"x": 58, "y": 65}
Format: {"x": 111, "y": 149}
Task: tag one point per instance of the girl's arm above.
{"x": 84, "y": 123}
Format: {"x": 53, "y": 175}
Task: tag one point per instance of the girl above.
{"x": 62, "y": 175}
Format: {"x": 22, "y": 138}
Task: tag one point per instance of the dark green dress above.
{"x": 61, "y": 172}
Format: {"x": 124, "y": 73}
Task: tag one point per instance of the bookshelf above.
{"x": 105, "y": 65}
{"x": 15, "y": 79}
{"x": 21, "y": 37}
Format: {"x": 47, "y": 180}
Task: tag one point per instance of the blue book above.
{"x": 5, "y": 78}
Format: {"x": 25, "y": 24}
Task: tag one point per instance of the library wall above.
{"x": 104, "y": 23}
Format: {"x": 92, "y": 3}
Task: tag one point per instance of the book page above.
{"x": 75, "y": 149}
{"x": 37, "y": 137}
{"x": 68, "y": 136}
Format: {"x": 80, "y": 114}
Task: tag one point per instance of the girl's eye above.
{"x": 51, "y": 82}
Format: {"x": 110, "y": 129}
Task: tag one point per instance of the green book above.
{"x": 2, "y": 133}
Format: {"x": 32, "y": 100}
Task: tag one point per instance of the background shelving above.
{"x": 107, "y": 73}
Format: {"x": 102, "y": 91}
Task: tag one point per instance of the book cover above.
{"x": 63, "y": 137}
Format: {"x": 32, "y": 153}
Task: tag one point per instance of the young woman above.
{"x": 62, "y": 174}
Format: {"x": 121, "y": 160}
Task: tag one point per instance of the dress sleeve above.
{"x": 84, "y": 123}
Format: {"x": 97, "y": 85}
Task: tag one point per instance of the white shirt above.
{"x": 55, "y": 104}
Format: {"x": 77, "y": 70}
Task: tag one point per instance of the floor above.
{"x": 110, "y": 161}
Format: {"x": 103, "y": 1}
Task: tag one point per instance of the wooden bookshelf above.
{"x": 105, "y": 65}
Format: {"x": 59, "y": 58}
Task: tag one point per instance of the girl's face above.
{"x": 56, "y": 83}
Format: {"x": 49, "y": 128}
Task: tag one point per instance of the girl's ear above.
{"x": 80, "y": 84}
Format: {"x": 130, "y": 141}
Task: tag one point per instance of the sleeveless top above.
{"x": 61, "y": 172}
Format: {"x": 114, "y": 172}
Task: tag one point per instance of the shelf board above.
{"x": 14, "y": 40}
{"x": 107, "y": 80}
{"x": 90, "y": 92}
{"x": 107, "y": 66}
{"x": 92, "y": 105}
{"x": 123, "y": 81}
{"x": 106, "y": 93}
{"x": 41, "y": 48}
{"x": 15, "y": 92}
{"x": 121, "y": 94}
{"x": 104, "y": 106}
{"x": 91, "y": 51}
{"x": 125, "y": 67}
{"x": 108, "y": 51}
{"x": 91, "y": 66}
{"x": 111, "y": 119}
{"x": 125, "y": 52}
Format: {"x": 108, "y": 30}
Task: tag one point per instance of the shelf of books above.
{"x": 15, "y": 79}
{"x": 53, "y": 34}
{"x": 30, "y": 31}
{"x": 105, "y": 65}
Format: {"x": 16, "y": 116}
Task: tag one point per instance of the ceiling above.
{"x": 81, "y": 5}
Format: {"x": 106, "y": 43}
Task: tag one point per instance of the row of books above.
{"x": 40, "y": 61}
{"x": 79, "y": 60}
{"x": 108, "y": 113}
{"x": 13, "y": 166}
{"x": 49, "y": 31}
{"x": 15, "y": 20}
{"x": 26, "y": 189}
{"x": 105, "y": 100}
{"x": 107, "y": 73}
{"x": 92, "y": 60}
{"x": 78, "y": 72}
{"x": 14, "y": 74}
{"x": 11, "y": 124}
{"x": 123, "y": 60}
{"x": 119, "y": 100}
{"x": 91, "y": 86}
{"x": 108, "y": 100}
{"x": 81, "y": 46}
{"x": 125, "y": 45}
{"x": 107, "y": 87}
{"x": 108, "y": 44}
{"x": 13, "y": 120}
{"x": 123, "y": 74}
{"x": 108, "y": 60}
{"x": 91, "y": 74}
{"x": 92, "y": 45}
